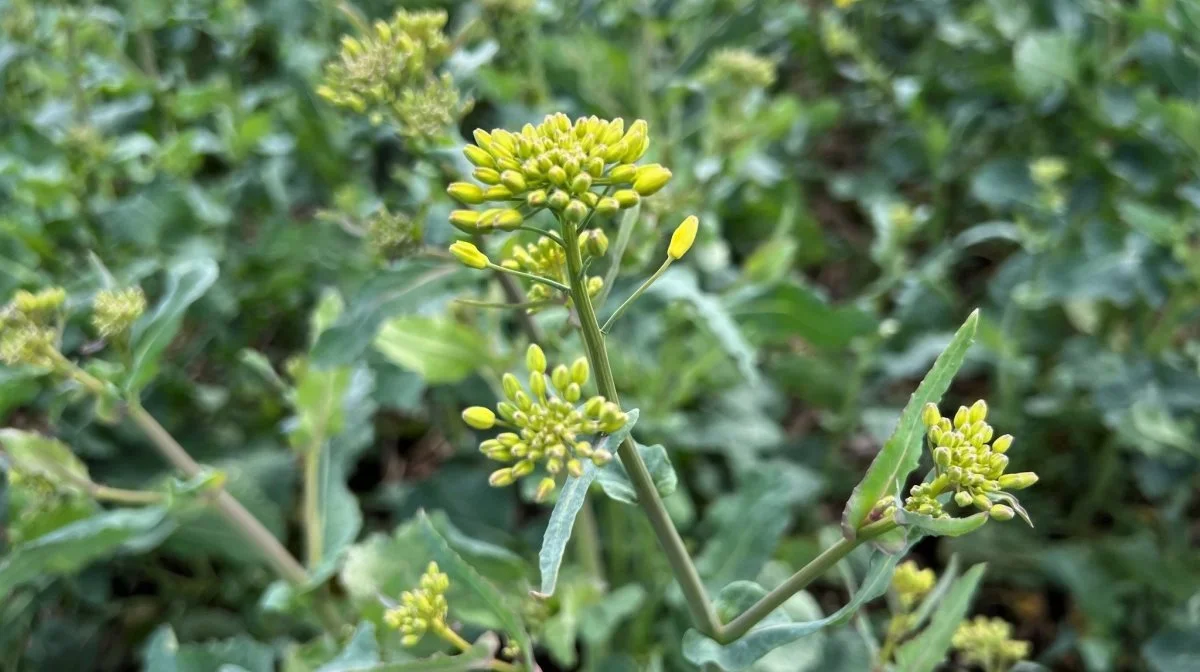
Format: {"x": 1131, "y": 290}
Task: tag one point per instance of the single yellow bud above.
{"x": 581, "y": 183}
{"x": 963, "y": 498}
{"x": 1001, "y": 512}
{"x": 594, "y": 285}
{"x": 626, "y": 198}
{"x": 469, "y": 255}
{"x": 573, "y": 393}
{"x": 561, "y": 377}
{"x": 650, "y": 178}
{"x": 501, "y": 477}
{"x": 536, "y": 199}
{"x": 623, "y": 174}
{"x": 961, "y": 417}
{"x": 580, "y": 371}
{"x": 1002, "y": 444}
{"x": 595, "y": 243}
{"x": 487, "y": 175}
{"x": 545, "y": 487}
{"x": 575, "y": 211}
{"x": 684, "y": 236}
{"x": 497, "y": 192}
{"x": 513, "y": 180}
{"x": 465, "y": 220}
{"x": 941, "y": 456}
{"x": 930, "y": 415}
{"x": 559, "y": 199}
{"x": 978, "y": 412}
{"x": 575, "y": 467}
{"x": 479, "y": 417}
{"x": 465, "y": 193}
{"x": 508, "y": 220}
{"x": 535, "y": 359}
{"x": 607, "y": 206}
{"x": 523, "y": 468}
{"x": 1018, "y": 481}
{"x": 479, "y": 157}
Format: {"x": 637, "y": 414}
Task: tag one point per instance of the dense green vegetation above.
{"x": 865, "y": 176}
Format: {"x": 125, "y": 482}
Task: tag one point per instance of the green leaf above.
{"x": 599, "y": 621}
{"x": 1174, "y": 649}
{"x": 187, "y": 280}
{"x": 614, "y": 479}
{"x": 361, "y": 651}
{"x": 72, "y": 547}
{"x": 927, "y": 650}
{"x": 930, "y": 602}
{"x": 39, "y": 455}
{"x": 1043, "y": 62}
{"x": 400, "y": 289}
{"x": 160, "y": 651}
{"x": 558, "y": 530}
{"x": 453, "y": 565}
{"x": 681, "y": 284}
{"x": 793, "y": 311}
{"x": 749, "y": 525}
{"x": 902, "y": 451}
{"x": 777, "y": 629}
{"x": 942, "y": 527}
{"x": 238, "y": 652}
{"x": 440, "y": 350}
{"x": 478, "y": 657}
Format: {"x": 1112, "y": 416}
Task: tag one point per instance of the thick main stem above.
{"x": 798, "y": 581}
{"x": 231, "y": 509}
{"x": 643, "y": 484}
{"x": 313, "y": 526}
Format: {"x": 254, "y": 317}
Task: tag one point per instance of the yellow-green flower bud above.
{"x": 963, "y": 498}
{"x": 513, "y": 180}
{"x": 535, "y": 359}
{"x": 683, "y": 237}
{"x": 941, "y": 457}
{"x": 561, "y": 377}
{"x": 626, "y": 198}
{"x": 581, "y": 183}
{"x": 1018, "y": 481}
{"x": 114, "y": 312}
{"x": 595, "y": 242}
{"x": 465, "y": 193}
{"x": 575, "y": 467}
{"x": 511, "y": 386}
{"x": 594, "y": 285}
{"x": 978, "y": 412}
{"x": 479, "y": 157}
{"x": 465, "y": 220}
{"x": 536, "y": 199}
{"x": 487, "y": 175}
{"x": 575, "y": 211}
{"x": 523, "y": 468}
{"x": 537, "y": 384}
{"x": 607, "y": 206}
{"x": 501, "y": 477}
{"x": 557, "y": 175}
{"x": 545, "y": 487}
{"x": 573, "y": 393}
{"x": 623, "y": 174}
{"x": 593, "y": 406}
{"x": 930, "y": 415}
{"x": 497, "y": 192}
{"x": 469, "y": 255}
{"x": 559, "y": 199}
{"x": 580, "y": 371}
{"x": 650, "y": 179}
{"x": 1001, "y": 512}
{"x": 479, "y": 417}
{"x": 509, "y": 220}
{"x": 961, "y": 417}
{"x": 1002, "y": 444}
{"x": 36, "y": 305}
{"x": 601, "y": 457}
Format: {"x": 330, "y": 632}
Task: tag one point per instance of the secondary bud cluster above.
{"x": 423, "y": 608}
{"x": 567, "y": 167}
{"x": 115, "y": 311}
{"x": 970, "y": 464}
{"x": 548, "y": 259}
{"x": 910, "y": 583}
{"x": 549, "y": 423}
{"x": 989, "y": 642}
{"x": 390, "y": 70}
{"x": 739, "y": 69}
{"x": 392, "y": 234}
{"x": 28, "y": 327}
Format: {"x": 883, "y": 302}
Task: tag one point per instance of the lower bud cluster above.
{"x": 969, "y": 463}
{"x": 422, "y": 609}
{"x": 549, "y": 424}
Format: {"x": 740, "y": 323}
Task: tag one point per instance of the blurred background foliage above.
{"x": 865, "y": 176}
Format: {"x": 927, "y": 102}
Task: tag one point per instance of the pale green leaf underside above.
{"x": 614, "y": 479}
{"x": 927, "y": 650}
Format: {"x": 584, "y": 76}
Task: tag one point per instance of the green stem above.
{"x": 122, "y": 496}
{"x": 530, "y": 276}
{"x": 633, "y": 297}
{"x": 643, "y": 484}
{"x": 798, "y": 581}
{"x": 313, "y": 528}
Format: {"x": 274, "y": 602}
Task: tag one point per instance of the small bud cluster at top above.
{"x": 567, "y": 167}
{"x": 392, "y": 234}
{"x": 739, "y": 69}
{"x": 911, "y": 583}
{"x": 969, "y": 464}
{"x": 423, "y": 608}
{"x": 550, "y": 427}
{"x": 548, "y": 259}
{"x": 28, "y": 331}
{"x": 989, "y": 642}
{"x": 391, "y": 70}
{"x": 115, "y": 310}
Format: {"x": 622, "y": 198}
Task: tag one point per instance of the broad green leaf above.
{"x": 748, "y": 526}
{"x": 1174, "y": 649}
{"x": 398, "y": 290}
{"x": 440, "y": 350}
{"x": 458, "y": 570}
{"x": 187, "y": 280}
{"x": 72, "y": 547}
{"x": 161, "y": 649}
{"x": 361, "y": 651}
{"x": 238, "y": 652}
{"x": 902, "y": 451}
{"x": 927, "y": 650}
{"x": 614, "y": 478}
{"x": 777, "y": 629}
{"x": 478, "y": 657}
{"x": 598, "y": 621}
{"x": 39, "y": 455}
{"x": 681, "y": 284}
{"x": 942, "y": 527}
{"x": 558, "y": 530}
{"x": 793, "y": 311}
{"x": 930, "y": 602}
{"x": 1043, "y": 62}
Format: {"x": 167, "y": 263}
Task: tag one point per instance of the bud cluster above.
{"x": 115, "y": 311}
{"x": 969, "y": 464}
{"x": 548, "y": 259}
{"x": 28, "y": 327}
{"x": 423, "y": 608}
{"x": 567, "y": 167}
{"x": 740, "y": 69}
{"x": 989, "y": 642}
{"x": 910, "y": 583}
{"x": 391, "y": 70}
{"x": 550, "y": 426}
{"x": 392, "y": 234}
